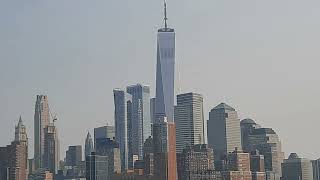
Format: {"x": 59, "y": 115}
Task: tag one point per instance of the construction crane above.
{"x": 53, "y": 117}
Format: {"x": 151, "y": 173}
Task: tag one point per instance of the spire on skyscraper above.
{"x": 165, "y": 14}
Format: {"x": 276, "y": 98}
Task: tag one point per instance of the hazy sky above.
{"x": 261, "y": 57}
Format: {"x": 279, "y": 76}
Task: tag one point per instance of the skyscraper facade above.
{"x": 123, "y": 126}
{"x": 316, "y": 169}
{"x": 141, "y": 118}
{"x": 97, "y": 167}
{"x": 110, "y": 148}
{"x": 51, "y": 149}
{"x": 104, "y": 132}
{"x": 267, "y": 142}
{"x": 224, "y": 133}
{"x": 165, "y": 143}
{"x": 189, "y": 120}
{"x": 74, "y": 155}
{"x": 41, "y": 120}
{"x": 88, "y": 146}
{"x": 153, "y": 110}
{"x": 165, "y": 73}
{"x": 296, "y": 168}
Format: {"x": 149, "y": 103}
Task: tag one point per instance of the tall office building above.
{"x": 51, "y": 149}
{"x": 165, "y": 143}
{"x": 141, "y": 119}
{"x": 123, "y": 126}
{"x": 88, "y": 146}
{"x": 224, "y": 133}
{"x": 97, "y": 167}
{"x": 316, "y": 169}
{"x": 296, "y": 168}
{"x": 74, "y": 156}
{"x": 165, "y": 73}
{"x": 189, "y": 120}
{"x": 104, "y": 132}
{"x": 267, "y": 142}
{"x": 41, "y": 120}
{"x": 110, "y": 148}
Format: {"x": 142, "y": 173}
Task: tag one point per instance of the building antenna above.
{"x": 165, "y": 15}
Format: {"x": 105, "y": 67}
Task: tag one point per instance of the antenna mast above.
{"x": 165, "y": 15}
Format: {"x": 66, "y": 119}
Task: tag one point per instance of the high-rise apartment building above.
{"x": 88, "y": 146}
{"x": 74, "y": 156}
{"x": 296, "y": 168}
{"x": 267, "y": 142}
{"x": 189, "y": 120}
{"x": 51, "y": 149}
{"x": 41, "y": 121}
{"x": 224, "y": 133}
{"x": 141, "y": 118}
{"x": 197, "y": 159}
{"x": 123, "y": 126}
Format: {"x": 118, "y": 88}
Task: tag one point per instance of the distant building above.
{"x": 74, "y": 155}
{"x": 189, "y": 120}
{"x": 109, "y": 148}
{"x": 97, "y": 167}
{"x": 224, "y": 133}
{"x": 316, "y": 169}
{"x": 148, "y": 157}
{"x": 88, "y": 147}
{"x": 296, "y": 168}
{"x": 41, "y": 174}
{"x": 104, "y": 132}
{"x": 41, "y": 121}
{"x": 197, "y": 159}
{"x": 153, "y": 110}
{"x": 238, "y": 164}
{"x": 267, "y": 142}
{"x": 14, "y": 157}
{"x": 123, "y": 126}
{"x": 141, "y": 118}
{"x": 51, "y": 149}
{"x": 257, "y": 166}
{"x": 165, "y": 164}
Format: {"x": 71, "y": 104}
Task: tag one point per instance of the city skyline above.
{"x": 80, "y": 113}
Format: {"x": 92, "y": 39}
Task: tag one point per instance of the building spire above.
{"x": 165, "y": 15}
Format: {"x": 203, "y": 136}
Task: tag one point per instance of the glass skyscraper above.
{"x": 141, "y": 118}
{"x": 189, "y": 120}
{"x": 123, "y": 126}
{"x": 224, "y": 133}
{"x": 164, "y": 130}
{"x": 165, "y": 74}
